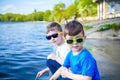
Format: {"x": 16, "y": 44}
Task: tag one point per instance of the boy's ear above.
{"x": 64, "y": 37}
{"x": 62, "y": 34}
{"x": 85, "y": 36}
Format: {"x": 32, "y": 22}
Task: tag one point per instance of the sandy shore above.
{"x": 104, "y": 35}
{"x": 106, "y": 54}
{"x": 108, "y": 34}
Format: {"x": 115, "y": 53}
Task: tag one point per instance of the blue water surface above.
{"x": 23, "y": 50}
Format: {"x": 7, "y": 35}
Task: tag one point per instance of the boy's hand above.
{"x": 64, "y": 71}
{"x": 40, "y": 73}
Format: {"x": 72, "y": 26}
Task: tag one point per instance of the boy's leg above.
{"x": 53, "y": 65}
{"x": 60, "y": 78}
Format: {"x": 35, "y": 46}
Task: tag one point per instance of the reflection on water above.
{"x": 107, "y": 54}
{"x": 23, "y": 52}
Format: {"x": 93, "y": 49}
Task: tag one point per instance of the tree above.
{"x": 1, "y": 18}
{"x": 58, "y": 11}
{"x": 47, "y": 14}
{"x": 87, "y": 8}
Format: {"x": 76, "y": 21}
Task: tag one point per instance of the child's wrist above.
{"x": 55, "y": 58}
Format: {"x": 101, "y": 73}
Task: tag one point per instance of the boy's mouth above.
{"x": 75, "y": 46}
{"x": 54, "y": 41}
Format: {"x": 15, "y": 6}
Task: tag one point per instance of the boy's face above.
{"x": 55, "y": 38}
{"x": 75, "y": 42}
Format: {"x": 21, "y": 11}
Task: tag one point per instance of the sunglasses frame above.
{"x": 74, "y": 40}
{"x": 55, "y": 35}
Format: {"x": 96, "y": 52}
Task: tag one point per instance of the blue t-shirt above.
{"x": 83, "y": 64}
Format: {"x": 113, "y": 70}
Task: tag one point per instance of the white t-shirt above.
{"x": 62, "y": 51}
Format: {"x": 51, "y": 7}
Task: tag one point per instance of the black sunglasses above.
{"x": 74, "y": 40}
{"x": 53, "y": 35}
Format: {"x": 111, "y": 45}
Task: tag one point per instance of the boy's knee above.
{"x": 49, "y": 61}
{"x": 51, "y": 56}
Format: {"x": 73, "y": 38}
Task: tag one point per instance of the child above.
{"x": 55, "y": 36}
{"x": 82, "y": 64}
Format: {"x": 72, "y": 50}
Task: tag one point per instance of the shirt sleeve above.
{"x": 88, "y": 67}
{"x": 67, "y": 61}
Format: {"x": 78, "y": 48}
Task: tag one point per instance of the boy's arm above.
{"x": 66, "y": 74}
{"x": 40, "y": 73}
{"x": 54, "y": 57}
{"x": 59, "y": 60}
{"x": 55, "y": 75}
{"x": 77, "y": 77}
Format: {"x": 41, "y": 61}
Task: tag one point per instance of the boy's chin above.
{"x": 75, "y": 50}
{"x": 55, "y": 44}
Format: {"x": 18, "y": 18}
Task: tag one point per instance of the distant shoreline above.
{"x": 104, "y": 35}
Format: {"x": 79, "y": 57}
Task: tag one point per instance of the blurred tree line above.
{"x": 80, "y": 8}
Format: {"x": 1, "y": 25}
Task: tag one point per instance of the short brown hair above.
{"x": 54, "y": 26}
{"x": 73, "y": 28}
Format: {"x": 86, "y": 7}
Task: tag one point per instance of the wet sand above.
{"x": 106, "y": 53}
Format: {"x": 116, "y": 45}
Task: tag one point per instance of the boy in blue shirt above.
{"x": 79, "y": 60}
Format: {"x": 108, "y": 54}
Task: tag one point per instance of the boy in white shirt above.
{"x": 55, "y": 36}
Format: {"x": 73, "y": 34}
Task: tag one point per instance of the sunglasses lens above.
{"x": 69, "y": 41}
{"x": 48, "y": 37}
{"x": 54, "y": 36}
{"x": 79, "y": 40}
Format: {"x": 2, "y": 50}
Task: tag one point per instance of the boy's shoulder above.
{"x": 63, "y": 46}
{"x": 85, "y": 53}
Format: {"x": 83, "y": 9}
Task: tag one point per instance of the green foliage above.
{"x": 39, "y": 16}
{"x": 104, "y": 27}
{"x": 1, "y": 18}
{"x": 87, "y": 8}
{"x": 114, "y": 35}
{"x": 70, "y": 11}
{"x": 60, "y": 12}
{"x": 88, "y": 27}
{"x": 47, "y": 15}
{"x": 10, "y": 17}
{"x": 114, "y": 26}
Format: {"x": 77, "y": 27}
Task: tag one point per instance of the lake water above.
{"x": 23, "y": 52}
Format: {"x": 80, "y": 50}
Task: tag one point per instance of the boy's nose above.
{"x": 52, "y": 38}
{"x": 74, "y": 42}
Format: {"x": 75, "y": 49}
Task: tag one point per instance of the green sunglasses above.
{"x": 74, "y": 40}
